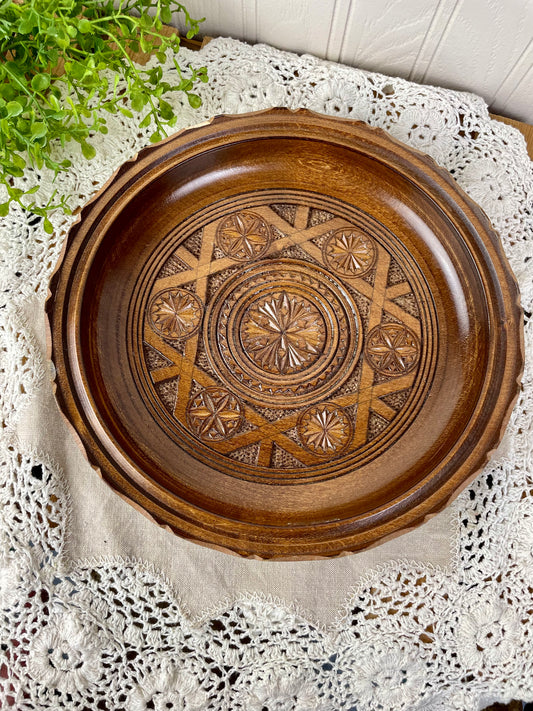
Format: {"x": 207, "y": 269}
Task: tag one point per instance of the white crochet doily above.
{"x": 112, "y": 635}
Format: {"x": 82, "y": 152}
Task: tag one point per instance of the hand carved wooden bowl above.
{"x": 285, "y": 335}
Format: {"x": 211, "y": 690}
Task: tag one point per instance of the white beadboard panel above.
{"x": 509, "y": 87}
{"x": 249, "y": 20}
{"x": 484, "y": 46}
{"x": 444, "y": 12}
{"x": 296, "y": 25}
{"x": 519, "y": 103}
{"x": 222, "y": 17}
{"x": 386, "y": 35}
{"x": 337, "y": 30}
{"x": 481, "y": 46}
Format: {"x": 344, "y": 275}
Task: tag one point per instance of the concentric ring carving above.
{"x": 175, "y": 313}
{"x": 283, "y": 333}
{"x": 243, "y": 236}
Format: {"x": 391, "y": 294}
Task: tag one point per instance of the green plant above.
{"x": 62, "y": 64}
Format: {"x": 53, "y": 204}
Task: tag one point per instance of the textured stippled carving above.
{"x": 274, "y": 377}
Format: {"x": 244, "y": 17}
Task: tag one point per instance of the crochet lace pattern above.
{"x": 112, "y": 634}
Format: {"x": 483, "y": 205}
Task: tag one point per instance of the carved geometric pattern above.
{"x": 214, "y": 414}
{"x": 283, "y": 333}
{"x": 325, "y": 429}
{"x": 175, "y": 313}
{"x": 392, "y": 349}
{"x": 349, "y": 253}
{"x": 243, "y": 236}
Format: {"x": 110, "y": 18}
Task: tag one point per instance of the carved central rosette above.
{"x": 283, "y": 333}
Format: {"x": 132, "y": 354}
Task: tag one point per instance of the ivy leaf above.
{"x": 27, "y": 23}
{"x": 146, "y": 121}
{"x": 18, "y": 161}
{"x": 38, "y": 129}
{"x": 185, "y": 85}
{"x": 138, "y": 100}
{"x": 145, "y": 44}
{"x": 62, "y": 42}
{"x": 53, "y": 57}
{"x": 78, "y": 70}
{"x": 43, "y": 108}
{"x": 14, "y": 170}
{"x": 145, "y": 21}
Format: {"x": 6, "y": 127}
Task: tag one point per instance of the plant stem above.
{"x": 25, "y": 89}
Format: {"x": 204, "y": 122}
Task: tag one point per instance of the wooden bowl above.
{"x": 285, "y": 335}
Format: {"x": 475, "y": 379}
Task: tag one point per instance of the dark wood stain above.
{"x": 285, "y": 336}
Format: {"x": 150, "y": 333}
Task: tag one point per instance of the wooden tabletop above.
{"x": 525, "y": 128}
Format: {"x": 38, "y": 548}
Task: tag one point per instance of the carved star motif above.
{"x": 392, "y": 349}
{"x": 214, "y": 414}
{"x": 325, "y": 428}
{"x": 283, "y": 333}
{"x": 349, "y": 253}
{"x": 243, "y": 236}
{"x": 175, "y": 313}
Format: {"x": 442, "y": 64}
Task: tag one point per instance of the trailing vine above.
{"x": 62, "y": 64}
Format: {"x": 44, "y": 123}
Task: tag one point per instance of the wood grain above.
{"x": 280, "y": 335}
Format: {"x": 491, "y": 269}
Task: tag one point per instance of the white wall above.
{"x": 485, "y": 46}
